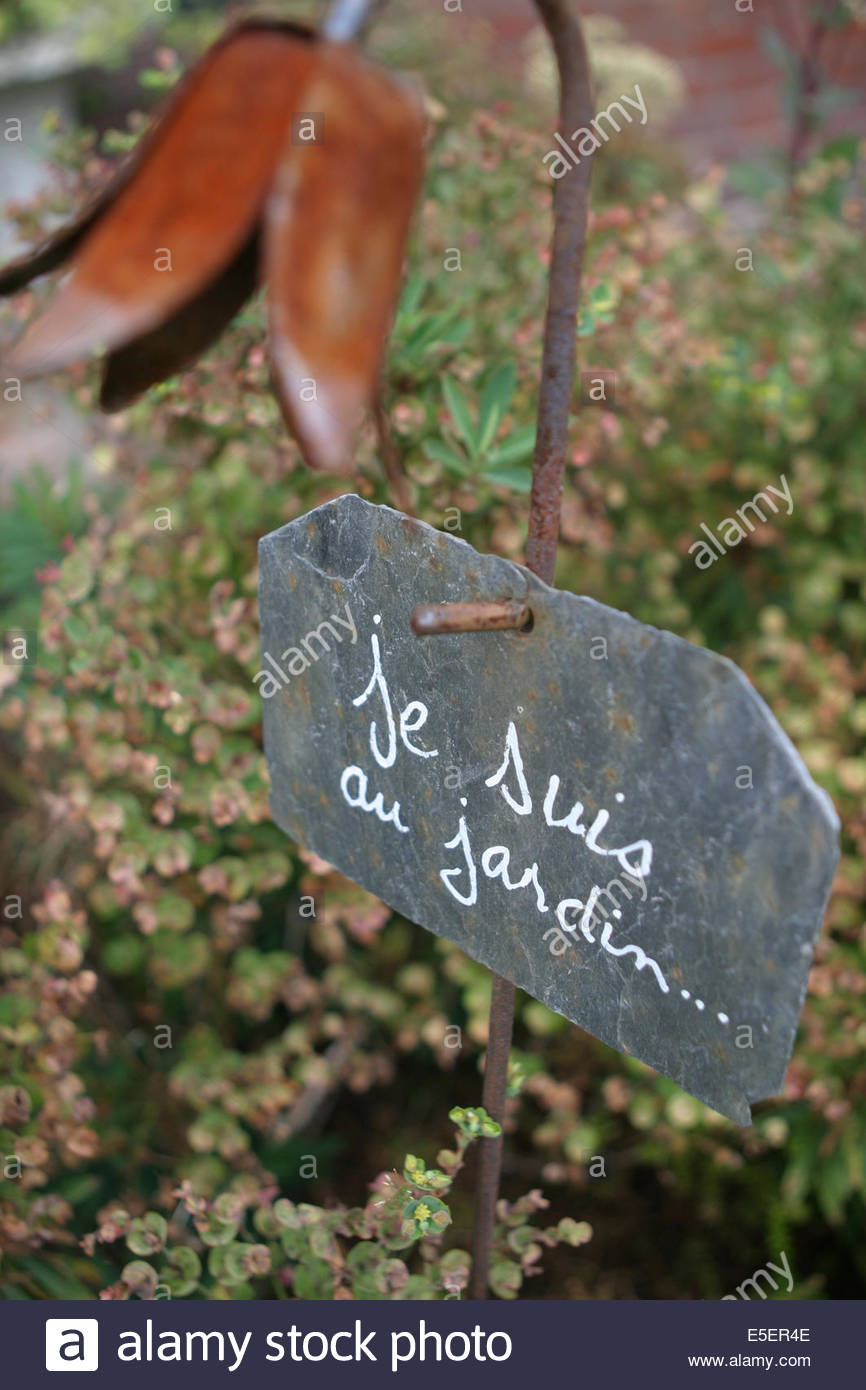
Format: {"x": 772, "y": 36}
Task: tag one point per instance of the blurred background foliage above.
{"x": 210, "y": 1042}
{"x": 104, "y": 32}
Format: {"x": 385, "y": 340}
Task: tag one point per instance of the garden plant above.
{"x": 228, "y": 1073}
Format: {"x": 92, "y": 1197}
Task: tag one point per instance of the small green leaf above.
{"x": 364, "y": 1256}
{"x": 425, "y": 1215}
{"x": 412, "y": 295}
{"x": 140, "y": 1277}
{"x": 244, "y": 1261}
{"x": 313, "y": 1279}
{"x": 215, "y": 1232}
{"x": 517, "y": 447}
{"x": 574, "y": 1232}
{"x": 183, "y": 1272}
{"x": 442, "y": 454}
{"x": 459, "y": 411}
{"x": 603, "y": 302}
{"x": 505, "y": 1278}
{"x": 495, "y": 399}
{"x": 287, "y": 1214}
{"x": 518, "y": 479}
{"x": 156, "y": 80}
{"x": 419, "y": 1289}
{"x": 147, "y": 1234}
{"x": 453, "y": 336}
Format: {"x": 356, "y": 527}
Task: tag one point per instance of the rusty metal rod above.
{"x": 570, "y": 207}
{"x": 493, "y": 1096}
{"x": 494, "y": 615}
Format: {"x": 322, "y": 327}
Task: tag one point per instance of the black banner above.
{"x": 417, "y": 1344}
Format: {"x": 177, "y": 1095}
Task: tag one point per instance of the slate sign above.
{"x": 597, "y": 810}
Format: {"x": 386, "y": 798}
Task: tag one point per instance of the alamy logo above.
{"x": 71, "y": 1344}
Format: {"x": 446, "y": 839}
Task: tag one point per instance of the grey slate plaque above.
{"x": 598, "y": 810}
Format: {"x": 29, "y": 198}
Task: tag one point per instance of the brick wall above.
{"x": 734, "y": 105}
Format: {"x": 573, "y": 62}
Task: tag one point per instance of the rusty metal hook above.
{"x": 479, "y": 615}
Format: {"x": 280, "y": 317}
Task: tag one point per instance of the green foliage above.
{"x": 102, "y": 31}
{"x": 257, "y": 1244}
{"x": 26, "y": 16}
{"x": 473, "y": 452}
{"x": 35, "y": 524}
{"x": 424, "y": 337}
{"x": 179, "y": 1038}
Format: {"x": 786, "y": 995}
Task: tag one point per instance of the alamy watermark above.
{"x": 590, "y": 919}
{"x": 590, "y": 138}
{"x": 311, "y": 647}
{"x": 785, "y": 1269}
{"x": 733, "y": 529}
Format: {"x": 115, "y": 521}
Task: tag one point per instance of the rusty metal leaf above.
{"x": 51, "y": 253}
{"x": 132, "y": 369}
{"x": 195, "y": 198}
{"x": 335, "y": 234}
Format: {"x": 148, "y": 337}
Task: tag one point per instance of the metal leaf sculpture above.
{"x": 220, "y": 192}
